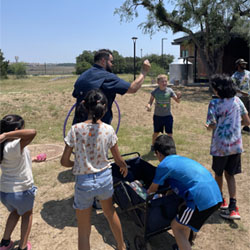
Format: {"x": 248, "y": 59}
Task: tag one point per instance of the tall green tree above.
{"x": 210, "y": 24}
{"x": 3, "y": 66}
{"x": 162, "y": 61}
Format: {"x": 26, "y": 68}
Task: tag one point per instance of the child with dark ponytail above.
{"x": 91, "y": 141}
{"x": 17, "y": 190}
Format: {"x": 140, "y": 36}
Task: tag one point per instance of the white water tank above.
{"x": 181, "y": 72}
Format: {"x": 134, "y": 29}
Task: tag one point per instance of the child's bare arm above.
{"x": 245, "y": 120}
{"x": 26, "y": 136}
{"x": 153, "y": 188}
{"x": 177, "y": 98}
{"x": 119, "y": 160}
{"x": 151, "y": 100}
{"x": 65, "y": 159}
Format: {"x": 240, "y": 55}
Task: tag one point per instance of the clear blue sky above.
{"x": 57, "y": 31}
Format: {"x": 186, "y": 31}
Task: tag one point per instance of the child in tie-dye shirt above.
{"x": 225, "y": 116}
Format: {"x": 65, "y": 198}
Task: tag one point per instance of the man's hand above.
{"x": 146, "y": 66}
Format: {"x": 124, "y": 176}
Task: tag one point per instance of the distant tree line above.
{"x": 122, "y": 65}
{"x": 18, "y": 69}
{"x": 125, "y": 65}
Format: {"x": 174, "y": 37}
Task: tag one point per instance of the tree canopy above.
{"x": 18, "y": 69}
{"x": 210, "y": 24}
{"x": 123, "y": 65}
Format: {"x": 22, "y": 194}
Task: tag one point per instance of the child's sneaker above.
{"x": 224, "y": 205}
{"x": 10, "y": 246}
{"x": 231, "y": 215}
{"x": 29, "y": 246}
{"x": 246, "y": 130}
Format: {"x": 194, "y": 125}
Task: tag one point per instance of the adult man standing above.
{"x": 100, "y": 76}
{"x": 242, "y": 80}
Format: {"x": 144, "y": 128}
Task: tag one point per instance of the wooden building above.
{"x": 236, "y": 48}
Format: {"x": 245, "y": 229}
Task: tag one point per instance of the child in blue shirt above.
{"x": 192, "y": 182}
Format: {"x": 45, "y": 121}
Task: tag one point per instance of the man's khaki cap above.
{"x": 240, "y": 61}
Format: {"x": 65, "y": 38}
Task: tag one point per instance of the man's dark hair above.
{"x": 224, "y": 85}
{"x": 102, "y": 53}
{"x": 165, "y": 145}
{"x": 95, "y": 103}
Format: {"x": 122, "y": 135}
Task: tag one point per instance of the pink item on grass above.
{"x": 41, "y": 157}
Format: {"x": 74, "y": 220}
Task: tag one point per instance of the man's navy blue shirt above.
{"x": 98, "y": 78}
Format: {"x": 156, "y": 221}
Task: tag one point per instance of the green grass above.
{"x": 44, "y": 104}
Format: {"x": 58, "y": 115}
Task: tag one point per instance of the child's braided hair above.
{"x": 95, "y": 103}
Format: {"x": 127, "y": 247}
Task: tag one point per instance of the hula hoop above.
{"x": 66, "y": 120}
{"x": 72, "y": 108}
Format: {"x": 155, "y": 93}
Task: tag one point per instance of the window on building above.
{"x": 184, "y": 53}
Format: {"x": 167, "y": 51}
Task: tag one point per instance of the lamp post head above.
{"x": 134, "y": 39}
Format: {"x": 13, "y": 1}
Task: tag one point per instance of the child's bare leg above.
{"x": 219, "y": 180}
{"x": 231, "y": 184}
{"x": 26, "y": 224}
{"x": 154, "y": 136}
{"x": 10, "y": 224}
{"x": 181, "y": 234}
{"x": 84, "y": 228}
{"x": 114, "y": 222}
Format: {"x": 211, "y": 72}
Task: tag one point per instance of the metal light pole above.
{"x": 162, "y": 60}
{"x": 134, "y": 41}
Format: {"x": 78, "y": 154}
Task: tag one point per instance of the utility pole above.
{"x": 162, "y": 59}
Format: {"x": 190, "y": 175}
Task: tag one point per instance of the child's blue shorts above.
{"x": 89, "y": 186}
{"x": 22, "y": 202}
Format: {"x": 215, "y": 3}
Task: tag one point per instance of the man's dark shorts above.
{"x": 161, "y": 122}
{"x": 246, "y": 102}
{"x": 230, "y": 163}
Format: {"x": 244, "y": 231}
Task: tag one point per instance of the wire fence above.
{"x": 49, "y": 69}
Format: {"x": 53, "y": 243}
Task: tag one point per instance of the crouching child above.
{"x": 192, "y": 182}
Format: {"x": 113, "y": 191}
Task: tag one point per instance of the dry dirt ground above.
{"x": 54, "y": 224}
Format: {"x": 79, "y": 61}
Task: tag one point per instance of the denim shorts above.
{"x": 22, "y": 202}
{"x": 89, "y": 186}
